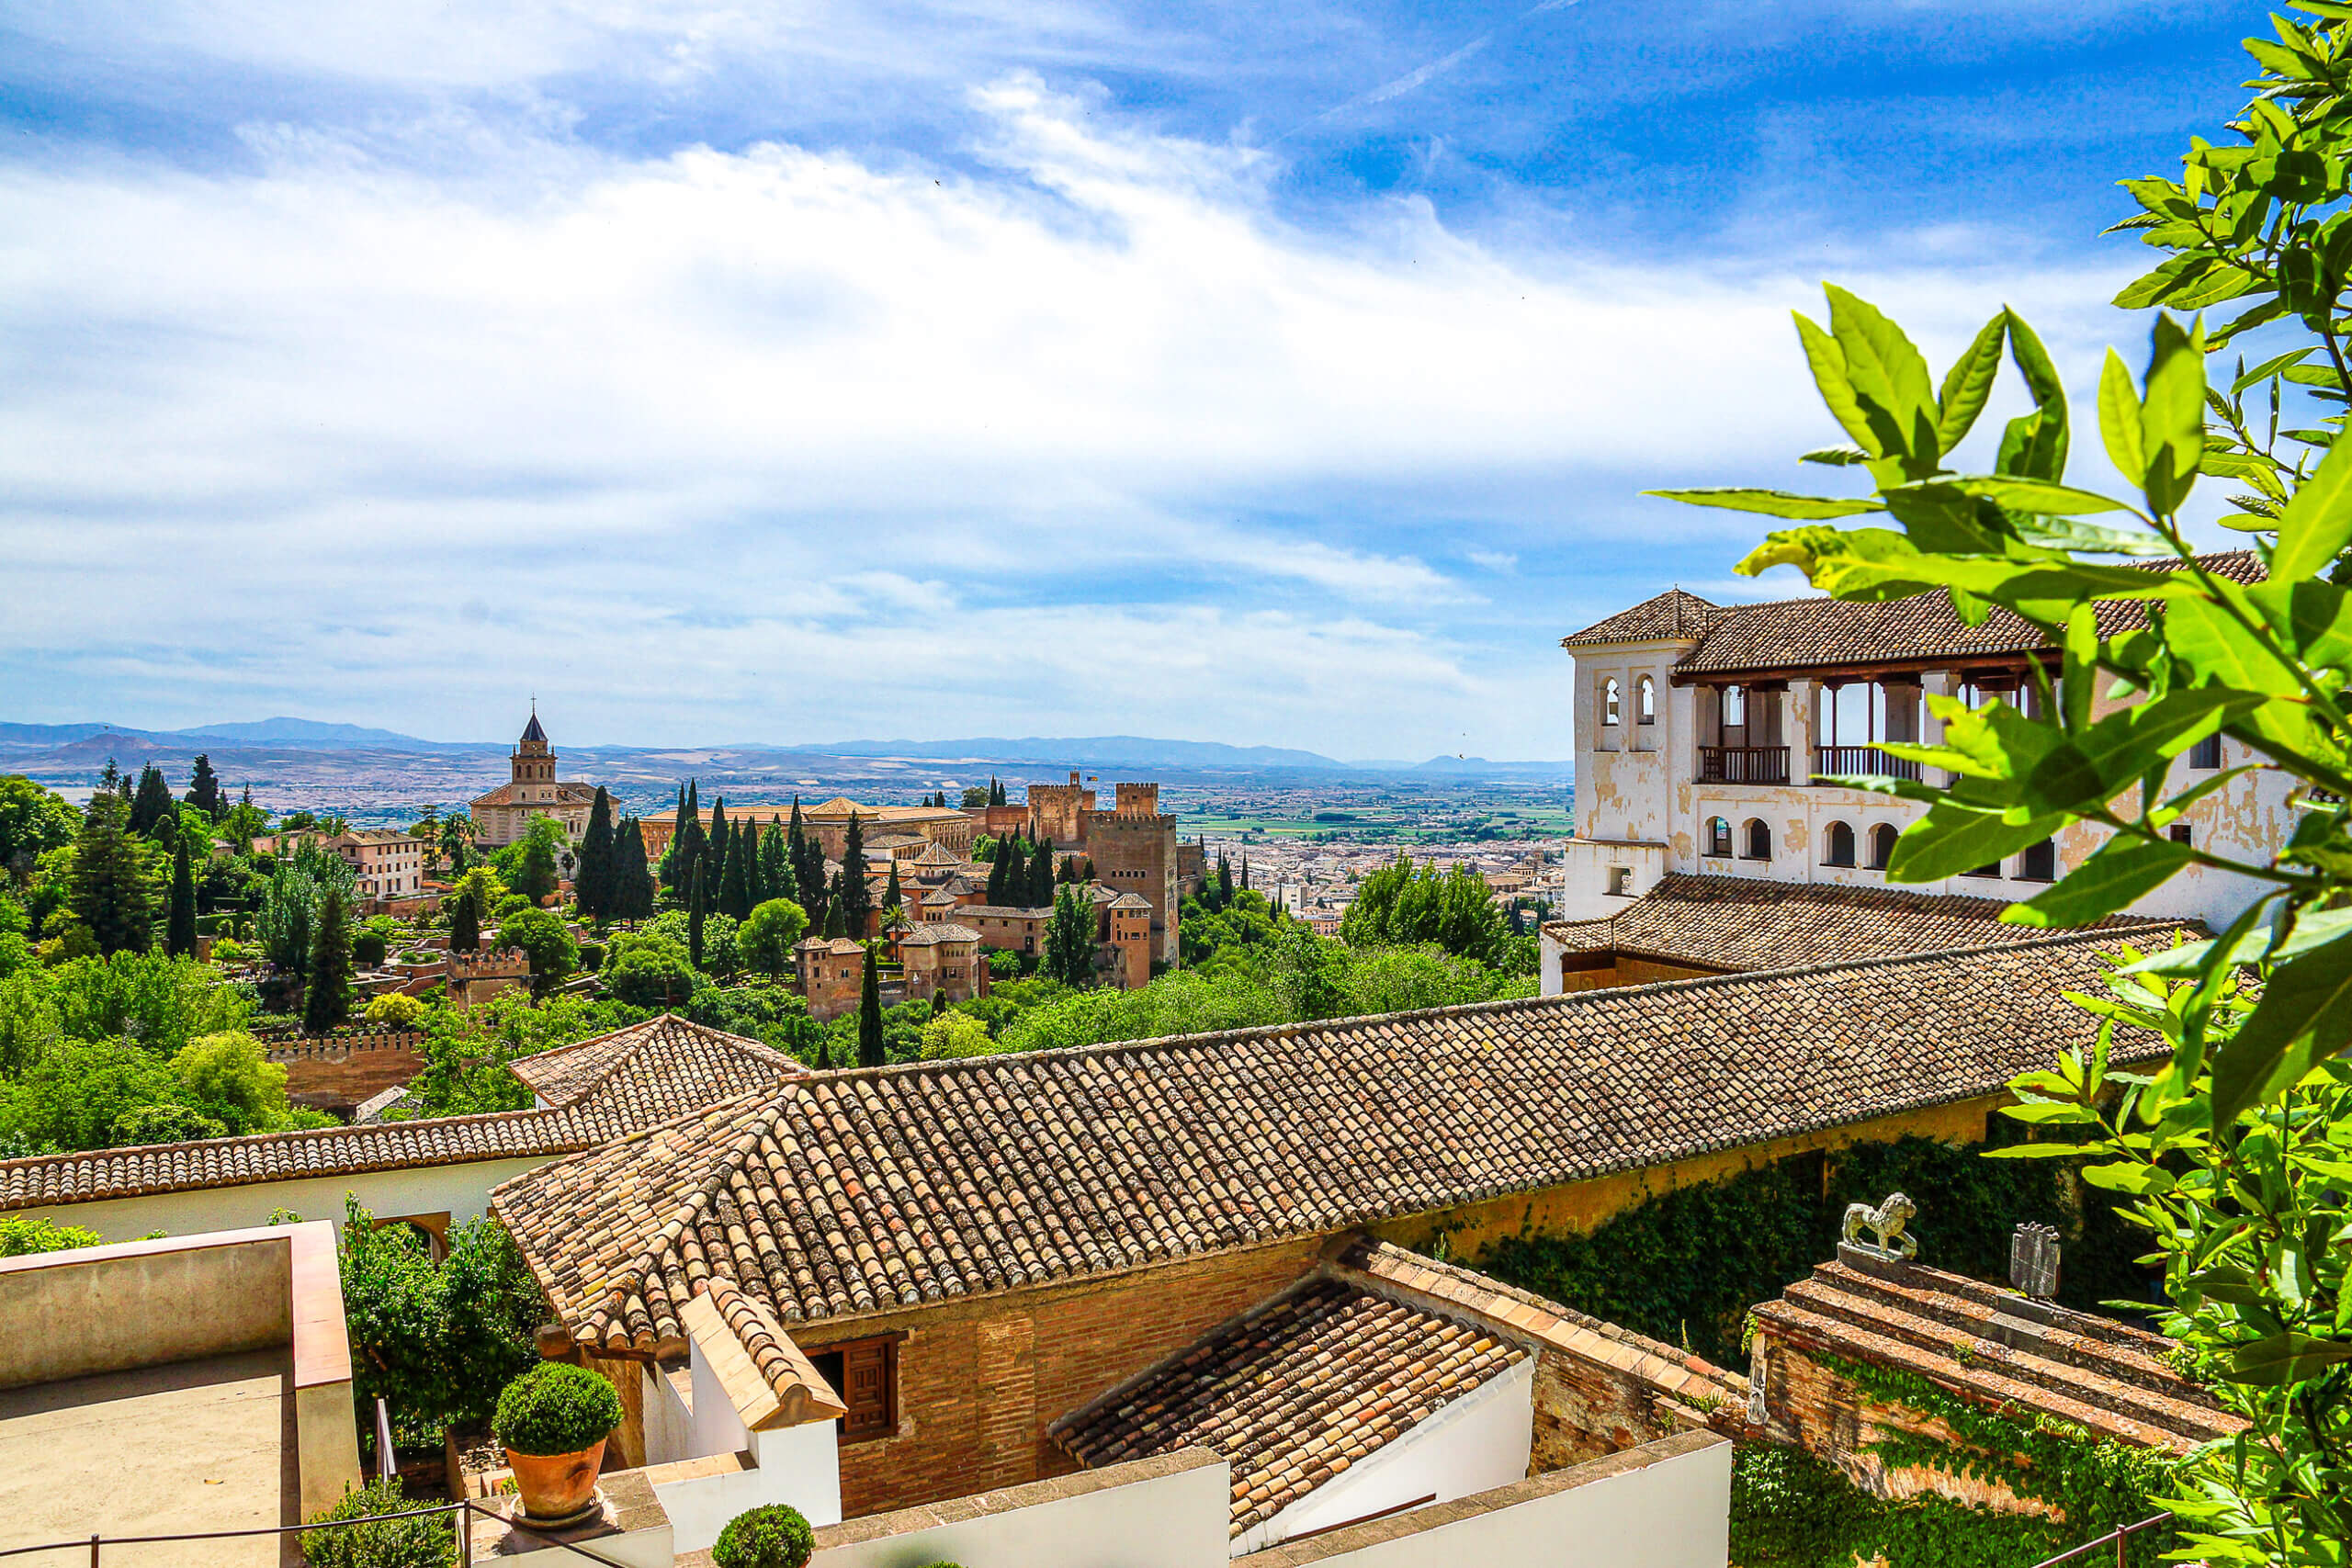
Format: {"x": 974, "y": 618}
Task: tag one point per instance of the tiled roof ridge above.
{"x": 292, "y": 1136}
{"x": 1254, "y": 1032}
{"x": 2168, "y": 563}
{"x": 759, "y": 1050}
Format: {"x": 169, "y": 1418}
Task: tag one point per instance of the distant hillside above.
{"x": 303, "y": 731}
{"x": 1088, "y": 751}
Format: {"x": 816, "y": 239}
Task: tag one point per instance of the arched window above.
{"x": 1719, "y": 836}
{"x": 1609, "y": 701}
{"x": 1838, "y": 846}
{"x": 1644, "y": 701}
{"x": 1759, "y": 838}
{"x": 1883, "y": 838}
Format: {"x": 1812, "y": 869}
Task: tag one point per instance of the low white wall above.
{"x": 1169, "y": 1513}
{"x": 1673, "y": 1511}
{"x": 799, "y": 1465}
{"x": 1480, "y": 1442}
{"x": 461, "y": 1191}
{"x": 669, "y": 1423}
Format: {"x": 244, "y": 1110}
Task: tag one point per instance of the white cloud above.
{"x": 717, "y": 423}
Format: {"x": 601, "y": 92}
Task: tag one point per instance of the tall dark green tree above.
{"x": 1041, "y": 876}
{"x": 776, "y": 878}
{"x": 1000, "y": 858}
{"x": 109, "y": 888}
{"x": 204, "y": 789}
{"x": 1070, "y": 938}
{"x": 697, "y": 909}
{"x": 857, "y": 894}
{"x": 179, "y": 927}
{"x": 326, "y": 998}
{"x": 715, "y": 850}
{"x": 807, "y": 856}
{"x": 152, "y": 803}
{"x": 836, "y": 919}
{"x": 465, "y": 922}
{"x": 632, "y": 877}
{"x": 686, "y": 845}
{"x": 592, "y": 880}
{"x": 735, "y": 880}
{"x": 996, "y": 790}
{"x": 869, "y": 1014}
{"x": 892, "y": 897}
{"x": 1224, "y": 883}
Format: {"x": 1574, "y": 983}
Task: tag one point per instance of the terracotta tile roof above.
{"x": 1790, "y": 634}
{"x": 1742, "y": 923}
{"x": 875, "y": 1189}
{"x": 567, "y": 793}
{"x": 1293, "y": 1393}
{"x": 693, "y": 1061}
{"x": 1673, "y": 616}
{"x": 926, "y": 933}
{"x": 1997, "y": 1347}
{"x": 669, "y": 1068}
{"x": 792, "y": 1390}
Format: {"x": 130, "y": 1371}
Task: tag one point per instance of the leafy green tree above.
{"x": 836, "y": 920}
{"x": 179, "y": 927}
{"x": 169, "y": 1123}
{"x": 153, "y": 802}
{"x": 109, "y": 891}
{"x": 21, "y": 1237}
{"x": 394, "y": 1010}
{"x": 954, "y": 1034}
{"x": 769, "y": 936}
{"x": 231, "y": 1076}
{"x": 326, "y": 991}
{"x": 776, "y": 866}
{"x": 593, "y": 885}
{"x": 465, "y": 920}
{"x": 436, "y": 1343}
{"x": 870, "y": 1050}
{"x": 204, "y": 789}
{"x": 1403, "y": 906}
{"x": 457, "y": 843}
{"x": 72, "y": 1096}
{"x": 32, "y": 820}
{"x": 650, "y": 970}
{"x": 466, "y": 1051}
{"x": 975, "y": 797}
{"x": 543, "y": 938}
{"x": 536, "y": 871}
{"x": 1224, "y": 883}
{"x": 1069, "y": 940}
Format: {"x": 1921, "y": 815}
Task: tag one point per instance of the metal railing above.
{"x": 1861, "y": 759}
{"x": 2119, "y": 1537}
{"x": 465, "y": 1509}
{"x": 1743, "y": 764}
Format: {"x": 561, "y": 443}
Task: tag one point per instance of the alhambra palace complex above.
{"x": 1140, "y": 874}
{"x": 1197, "y": 1300}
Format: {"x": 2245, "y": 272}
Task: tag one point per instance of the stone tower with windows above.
{"x": 533, "y": 766}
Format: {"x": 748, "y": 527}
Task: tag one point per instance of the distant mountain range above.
{"x": 75, "y": 742}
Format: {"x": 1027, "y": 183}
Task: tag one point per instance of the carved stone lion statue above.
{"x": 1886, "y": 1223}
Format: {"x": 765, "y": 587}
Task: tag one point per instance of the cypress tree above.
{"x": 1000, "y": 861}
{"x": 204, "y": 789}
{"x": 685, "y": 845}
{"x": 107, "y": 890}
{"x": 153, "y": 801}
{"x": 1224, "y": 882}
{"x": 1245, "y": 871}
{"x": 632, "y": 877}
{"x": 891, "y": 897}
{"x": 593, "y": 880}
{"x": 824, "y": 1062}
{"x": 327, "y": 1000}
{"x": 714, "y": 848}
{"x": 777, "y": 880}
{"x": 1041, "y": 876}
{"x": 735, "y": 882}
{"x": 697, "y": 907}
{"x": 835, "y": 923}
{"x": 465, "y": 923}
{"x": 180, "y": 928}
{"x": 857, "y": 894}
{"x": 869, "y": 1015}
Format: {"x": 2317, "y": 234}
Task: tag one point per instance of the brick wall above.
{"x": 1136, "y": 854}
{"x": 979, "y": 1380}
{"x": 336, "y": 1074}
{"x": 1819, "y": 1411}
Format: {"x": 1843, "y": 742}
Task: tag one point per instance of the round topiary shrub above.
{"x": 430, "y": 1542}
{"x": 556, "y": 1408}
{"x": 770, "y": 1537}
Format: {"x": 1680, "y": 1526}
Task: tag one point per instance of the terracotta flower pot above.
{"x": 557, "y": 1486}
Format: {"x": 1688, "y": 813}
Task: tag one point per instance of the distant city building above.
{"x": 532, "y": 790}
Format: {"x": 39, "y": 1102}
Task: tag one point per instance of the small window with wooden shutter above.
{"x": 865, "y": 1372}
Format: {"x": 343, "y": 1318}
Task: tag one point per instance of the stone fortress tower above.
{"x": 1133, "y": 846}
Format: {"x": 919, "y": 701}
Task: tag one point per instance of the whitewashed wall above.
{"x": 461, "y": 1191}
{"x": 1479, "y": 1442}
{"x": 1095, "y": 1519}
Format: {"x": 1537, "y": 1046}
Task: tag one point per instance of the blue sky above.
{"x": 1272, "y": 374}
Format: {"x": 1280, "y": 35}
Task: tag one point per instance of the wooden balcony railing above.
{"x": 1861, "y": 759}
{"x": 1744, "y": 765}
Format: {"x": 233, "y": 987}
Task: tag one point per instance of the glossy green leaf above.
{"x": 2124, "y": 871}
{"x": 2305, "y": 1015}
{"x": 1835, "y": 456}
{"x": 2285, "y": 1358}
{"x": 2067, "y": 534}
{"x": 2270, "y": 367}
{"x": 1968, "y": 384}
{"x": 2079, "y": 668}
{"x": 1952, "y": 839}
{"x": 2317, "y": 522}
{"x": 1771, "y": 502}
{"x": 2088, "y": 767}
{"x": 1828, "y": 361}
{"x": 2125, "y": 1175}
{"x": 2312, "y": 617}
{"x": 1890, "y": 378}
{"x": 2221, "y": 651}
{"x": 2172, "y": 415}
{"x": 2040, "y": 497}
{"x": 2034, "y": 445}
{"x": 2119, "y": 420}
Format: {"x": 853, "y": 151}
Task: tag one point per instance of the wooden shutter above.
{"x": 869, "y": 1380}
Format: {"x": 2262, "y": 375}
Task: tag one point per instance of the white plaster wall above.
{"x": 718, "y": 1427}
{"x": 1170, "y": 1521}
{"x": 1675, "y": 1513}
{"x": 799, "y": 1466}
{"x": 462, "y": 1192}
{"x": 669, "y": 1423}
{"x": 1480, "y": 1442}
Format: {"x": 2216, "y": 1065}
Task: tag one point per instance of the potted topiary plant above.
{"x": 770, "y": 1537}
{"x": 552, "y": 1421}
